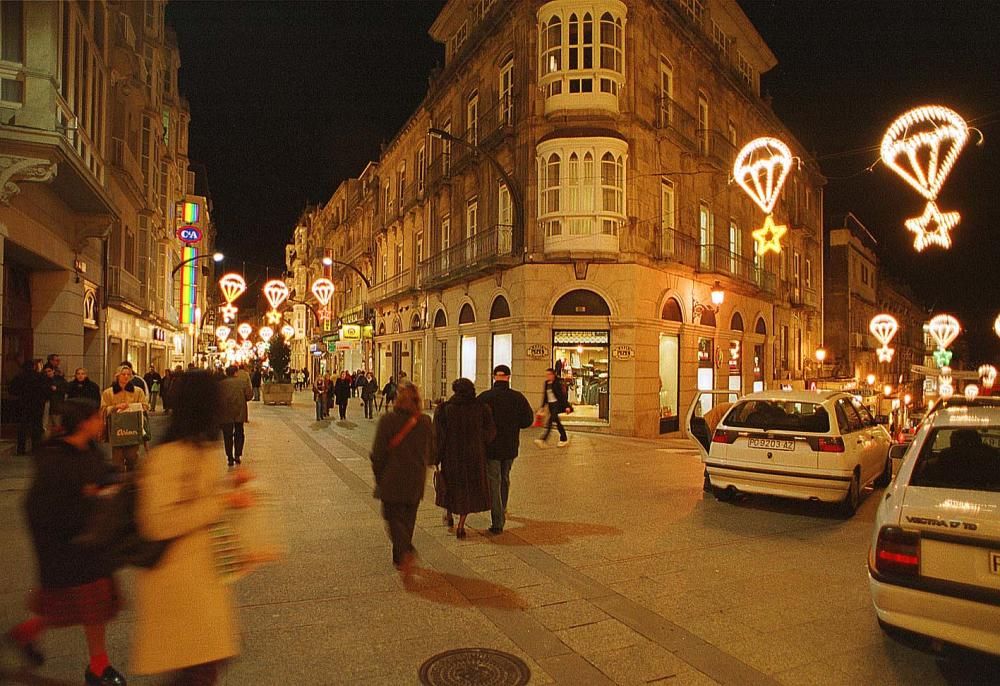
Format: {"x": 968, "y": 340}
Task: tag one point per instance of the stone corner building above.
{"x": 93, "y": 178}
{"x": 617, "y": 123}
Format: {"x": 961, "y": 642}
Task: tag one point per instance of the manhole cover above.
{"x": 474, "y": 667}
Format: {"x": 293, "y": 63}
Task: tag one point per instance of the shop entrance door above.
{"x": 582, "y": 361}
{"x": 397, "y": 360}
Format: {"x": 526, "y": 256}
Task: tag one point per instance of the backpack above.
{"x": 113, "y": 533}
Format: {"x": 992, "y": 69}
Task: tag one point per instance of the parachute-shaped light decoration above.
{"x": 761, "y": 168}
{"x": 971, "y": 391}
{"x": 222, "y": 332}
{"x": 244, "y": 330}
{"x": 261, "y": 348}
{"x": 323, "y": 290}
{"x": 996, "y": 325}
{"x": 232, "y": 286}
{"x": 266, "y": 333}
{"x": 276, "y": 292}
{"x": 988, "y": 374}
{"x": 287, "y": 331}
{"x": 945, "y": 389}
{"x": 944, "y": 329}
{"x": 921, "y": 146}
{"x": 247, "y": 345}
{"x": 230, "y": 344}
{"x": 884, "y": 328}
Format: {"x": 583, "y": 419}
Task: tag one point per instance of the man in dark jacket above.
{"x": 29, "y": 392}
{"x": 511, "y": 413}
{"x": 555, "y": 399}
{"x": 255, "y": 380}
{"x": 56, "y": 395}
{"x": 82, "y": 387}
{"x": 234, "y": 394}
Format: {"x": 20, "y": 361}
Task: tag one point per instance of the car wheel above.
{"x": 723, "y": 494}
{"x": 849, "y": 505}
{"x": 885, "y": 478}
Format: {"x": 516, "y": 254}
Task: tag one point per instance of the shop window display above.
{"x": 669, "y": 382}
{"x": 581, "y": 360}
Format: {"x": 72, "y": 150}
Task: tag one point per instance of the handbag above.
{"x": 440, "y": 489}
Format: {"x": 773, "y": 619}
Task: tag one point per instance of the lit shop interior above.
{"x": 580, "y": 359}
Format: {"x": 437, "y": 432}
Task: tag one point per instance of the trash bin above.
{"x": 602, "y": 403}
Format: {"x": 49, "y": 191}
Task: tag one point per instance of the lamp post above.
{"x": 216, "y": 257}
{"x": 718, "y": 296}
{"x": 329, "y": 262}
{"x": 515, "y": 192}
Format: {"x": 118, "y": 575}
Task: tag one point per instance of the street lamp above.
{"x": 821, "y": 355}
{"x": 216, "y": 257}
{"x": 718, "y": 295}
{"x": 870, "y": 379}
{"x": 512, "y": 188}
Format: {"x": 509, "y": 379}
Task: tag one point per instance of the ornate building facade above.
{"x": 562, "y": 198}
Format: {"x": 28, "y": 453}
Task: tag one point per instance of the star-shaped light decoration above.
{"x": 768, "y": 237}
{"x": 942, "y": 221}
{"x": 273, "y": 317}
{"x": 229, "y": 312}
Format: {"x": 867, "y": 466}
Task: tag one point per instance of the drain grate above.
{"x": 474, "y": 667}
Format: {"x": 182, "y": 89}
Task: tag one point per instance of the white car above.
{"x": 934, "y": 562}
{"x": 810, "y": 445}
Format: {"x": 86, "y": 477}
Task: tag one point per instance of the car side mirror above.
{"x": 897, "y": 452}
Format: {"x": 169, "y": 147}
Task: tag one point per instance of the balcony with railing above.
{"x": 672, "y": 117}
{"x": 803, "y": 297}
{"x": 124, "y": 161}
{"x": 439, "y": 170}
{"x": 390, "y": 286}
{"x": 589, "y": 233}
{"x": 412, "y": 193}
{"x": 675, "y": 246}
{"x": 488, "y": 248}
{"x": 124, "y": 287}
{"x": 714, "y": 259}
{"x": 716, "y": 148}
{"x": 496, "y": 122}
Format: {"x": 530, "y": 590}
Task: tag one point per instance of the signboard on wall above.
{"x": 537, "y": 352}
{"x": 623, "y": 352}
{"x": 350, "y": 332}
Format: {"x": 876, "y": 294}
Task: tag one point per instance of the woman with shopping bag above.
{"x": 185, "y": 612}
{"x": 124, "y": 405}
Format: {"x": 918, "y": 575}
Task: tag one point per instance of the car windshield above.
{"x": 960, "y": 457}
{"x": 784, "y": 415}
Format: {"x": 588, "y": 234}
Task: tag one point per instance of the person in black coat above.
{"x": 342, "y": 393}
{"x": 76, "y": 585}
{"x": 511, "y": 413}
{"x": 554, "y": 398}
{"x": 29, "y": 392}
{"x": 82, "y": 387}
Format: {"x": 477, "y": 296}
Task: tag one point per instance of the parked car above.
{"x": 812, "y": 445}
{"x": 934, "y": 562}
{"x": 962, "y": 401}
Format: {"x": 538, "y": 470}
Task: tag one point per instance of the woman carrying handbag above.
{"x": 403, "y": 448}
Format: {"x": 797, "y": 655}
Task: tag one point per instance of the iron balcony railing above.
{"x": 678, "y": 247}
{"x": 714, "y": 259}
{"x": 717, "y": 148}
{"x": 124, "y": 160}
{"x": 124, "y": 286}
{"x": 803, "y": 297}
{"x": 672, "y": 116}
{"x": 439, "y": 169}
{"x": 393, "y": 285}
{"x": 487, "y": 248}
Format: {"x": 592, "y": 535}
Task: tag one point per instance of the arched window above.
{"x": 466, "y": 315}
{"x": 415, "y": 322}
{"x": 500, "y": 308}
{"x": 396, "y": 325}
{"x": 506, "y": 91}
{"x": 440, "y": 319}
{"x": 611, "y": 51}
{"x": 707, "y": 318}
{"x": 760, "y": 327}
{"x": 381, "y": 329}
{"x": 612, "y": 188}
{"x": 550, "y": 193}
{"x": 581, "y": 302}
{"x": 672, "y": 311}
{"x": 550, "y": 43}
{"x": 736, "y": 323}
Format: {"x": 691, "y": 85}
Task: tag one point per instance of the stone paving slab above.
{"x": 615, "y": 569}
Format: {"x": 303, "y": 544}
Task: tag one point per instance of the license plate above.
{"x": 771, "y": 444}
{"x": 995, "y": 563}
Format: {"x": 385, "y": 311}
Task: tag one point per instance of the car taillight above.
{"x": 722, "y": 436}
{"x": 831, "y": 445}
{"x": 897, "y": 552}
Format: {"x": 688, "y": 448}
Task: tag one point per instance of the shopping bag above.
{"x": 541, "y": 416}
{"x": 247, "y": 538}
{"x": 126, "y": 429}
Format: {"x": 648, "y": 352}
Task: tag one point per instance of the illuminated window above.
{"x": 472, "y": 118}
{"x": 506, "y": 91}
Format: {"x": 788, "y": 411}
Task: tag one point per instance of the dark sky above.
{"x": 290, "y": 98}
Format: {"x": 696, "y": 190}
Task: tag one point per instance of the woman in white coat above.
{"x": 185, "y": 614}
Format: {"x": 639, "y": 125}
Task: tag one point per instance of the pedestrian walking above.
{"x": 319, "y": 396}
{"x": 401, "y": 453}
{"x": 55, "y": 396}
{"x": 137, "y": 380}
{"x": 76, "y": 587}
{"x": 331, "y": 385}
{"x": 122, "y": 393}
{"x": 463, "y": 427}
{"x": 342, "y": 393}
{"x": 368, "y": 390}
{"x": 511, "y": 413}
{"x": 255, "y": 380}
{"x": 185, "y": 614}
{"x": 28, "y": 392}
{"x": 554, "y": 400}
{"x": 154, "y": 383}
{"x": 305, "y": 377}
{"x": 389, "y": 394}
{"x": 82, "y": 387}
{"x": 234, "y": 395}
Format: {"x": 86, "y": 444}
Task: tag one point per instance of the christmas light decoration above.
{"x": 229, "y": 312}
{"x": 921, "y": 146}
{"x": 244, "y": 330}
{"x": 971, "y": 391}
{"x": 288, "y": 331}
{"x": 276, "y": 292}
{"x": 945, "y": 388}
{"x": 996, "y": 325}
{"x": 760, "y": 169}
{"x": 230, "y": 344}
{"x": 222, "y": 332}
{"x": 232, "y": 286}
{"x": 266, "y": 333}
{"x": 273, "y": 317}
{"x": 323, "y": 290}
{"x": 988, "y": 373}
{"x": 247, "y": 345}
{"x": 944, "y": 329}
{"x": 261, "y": 348}
{"x": 884, "y": 327}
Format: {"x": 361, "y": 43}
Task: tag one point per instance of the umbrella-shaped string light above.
{"x": 944, "y": 329}
{"x": 266, "y": 333}
{"x": 222, "y": 332}
{"x": 288, "y": 331}
{"x": 276, "y": 292}
{"x": 945, "y": 388}
{"x": 760, "y": 169}
{"x": 244, "y": 330}
{"x": 988, "y": 374}
{"x": 884, "y": 327}
{"x": 921, "y": 146}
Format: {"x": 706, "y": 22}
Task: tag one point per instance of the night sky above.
{"x": 288, "y": 99}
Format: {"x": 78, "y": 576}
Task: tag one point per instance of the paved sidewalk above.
{"x": 615, "y": 569}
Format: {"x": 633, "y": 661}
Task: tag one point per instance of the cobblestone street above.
{"x": 615, "y": 569}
